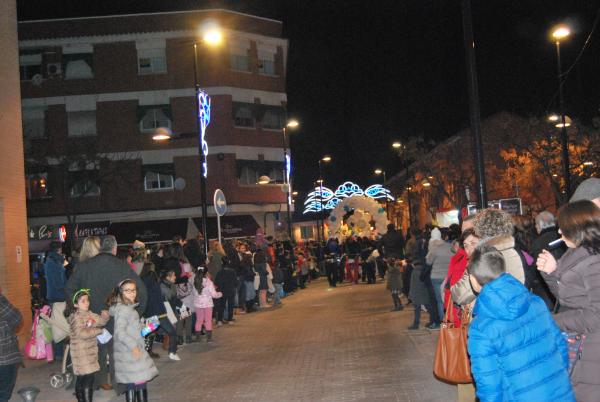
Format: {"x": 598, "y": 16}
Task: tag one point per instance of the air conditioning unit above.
{"x": 53, "y": 69}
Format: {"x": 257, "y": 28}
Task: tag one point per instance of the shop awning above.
{"x": 148, "y": 231}
{"x": 231, "y": 226}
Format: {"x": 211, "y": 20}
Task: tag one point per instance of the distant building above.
{"x": 104, "y": 84}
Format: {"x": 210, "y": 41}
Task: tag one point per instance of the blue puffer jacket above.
{"x": 517, "y": 351}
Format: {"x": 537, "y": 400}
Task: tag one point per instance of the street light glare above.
{"x": 264, "y": 180}
{"x": 161, "y": 134}
{"x": 213, "y": 37}
{"x": 326, "y": 158}
{"x": 396, "y": 145}
{"x": 378, "y": 171}
{"x": 292, "y": 124}
{"x": 561, "y": 32}
{"x": 553, "y": 118}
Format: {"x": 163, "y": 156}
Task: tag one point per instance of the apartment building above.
{"x": 94, "y": 90}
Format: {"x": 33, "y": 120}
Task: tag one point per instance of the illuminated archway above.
{"x": 364, "y": 212}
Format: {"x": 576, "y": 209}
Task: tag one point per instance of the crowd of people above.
{"x": 529, "y": 290}
{"x": 116, "y": 302}
{"x": 528, "y": 287}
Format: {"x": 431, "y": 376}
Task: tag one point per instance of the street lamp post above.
{"x": 211, "y": 37}
{"x": 561, "y": 32}
{"x": 321, "y": 227}
{"x": 474, "y": 110}
{"x": 203, "y": 171}
{"x": 286, "y": 161}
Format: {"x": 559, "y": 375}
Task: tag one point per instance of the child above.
{"x": 517, "y": 351}
{"x": 204, "y": 292}
{"x": 85, "y": 326}
{"x": 394, "y": 282}
{"x": 133, "y": 366}
{"x": 169, "y": 293}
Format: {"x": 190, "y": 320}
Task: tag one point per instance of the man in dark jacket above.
{"x": 227, "y": 283}
{"x": 101, "y": 274}
{"x": 55, "y": 274}
{"x": 54, "y": 271}
{"x": 392, "y": 243}
{"x": 10, "y": 358}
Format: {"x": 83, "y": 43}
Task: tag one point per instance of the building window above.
{"x": 30, "y": 65}
{"x": 240, "y": 62}
{"x": 84, "y": 183}
{"x": 36, "y": 186}
{"x": 34, "y": 126}
{"x": 158, "y": 177}
{"x": 78, "y": 66}
{"x": 273, "y": 119}
{"x": 276, "y": 175}
{"x": 154, "y": 117}
{"x": 266, "y": 66}
{"x": 82, "y": 123}
{"x": 248, "y": 176}
{"x": 152, "y": 61}
{"x": 243, "y": 117}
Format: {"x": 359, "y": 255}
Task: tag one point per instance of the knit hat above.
{"x": 589, "y": 189}
{"x": 436, "y": 234}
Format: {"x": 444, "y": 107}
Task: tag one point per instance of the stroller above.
{"x": 60, "y": 332}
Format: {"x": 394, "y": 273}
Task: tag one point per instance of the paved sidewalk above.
{"x": 333, "y": 345}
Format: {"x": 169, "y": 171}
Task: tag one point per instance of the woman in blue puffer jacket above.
{"x": 517, "y": 351}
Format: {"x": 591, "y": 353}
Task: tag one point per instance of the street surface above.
{"x": 333, "y": 345}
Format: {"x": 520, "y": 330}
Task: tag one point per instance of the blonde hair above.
{"x": 215, "y": 246}
{"x": 90, "y": 248}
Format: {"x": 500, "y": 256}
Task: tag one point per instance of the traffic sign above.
{"x": 219, "y": 202}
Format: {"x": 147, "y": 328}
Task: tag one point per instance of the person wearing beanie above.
{"x": 589, "y": 189}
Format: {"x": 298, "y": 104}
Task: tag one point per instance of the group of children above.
{"x": 133, "y": 363}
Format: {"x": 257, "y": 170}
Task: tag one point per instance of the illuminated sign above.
{"x": 204, "y": 119}
{"x": 62, "y": 233}
{"x": 329, "y": 199}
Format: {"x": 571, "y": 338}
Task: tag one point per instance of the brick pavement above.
{"x": 331, "y": 345}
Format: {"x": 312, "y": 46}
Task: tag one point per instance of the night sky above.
{"x": 364, "y": 73}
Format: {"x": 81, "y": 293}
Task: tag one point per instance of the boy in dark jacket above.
{"x": 517, "y": 351}
{"x": 227, "y": 283}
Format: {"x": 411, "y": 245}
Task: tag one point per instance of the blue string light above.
{"x": 329, "y": 199}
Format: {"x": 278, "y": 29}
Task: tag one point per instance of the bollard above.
{"x": 28, "y": 393}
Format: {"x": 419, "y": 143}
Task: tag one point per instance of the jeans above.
{"x": 167, "y": 328}
{"x": 184, "y": 328}
{"x": 8, "y": 378}
{"x": 417, "y": 320}
{"x": 277, "y": 295}
{"x": 439, "y": 296}
{"x": 225, "y": 302}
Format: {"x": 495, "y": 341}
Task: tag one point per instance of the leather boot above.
{"x": 141, "y": 395}
{"x": 130, "y": 395}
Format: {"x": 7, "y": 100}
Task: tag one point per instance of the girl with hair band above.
{"x": 85, "y": 326}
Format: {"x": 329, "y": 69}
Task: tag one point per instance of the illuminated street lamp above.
{"x": 559, "y": 33}
{"x": 293, "y": 123}
{"x": 557, "y": 121}
{"x": 211, "y": 35}
{"x": 264, "y": 180}
{"x": 397, "y": 145}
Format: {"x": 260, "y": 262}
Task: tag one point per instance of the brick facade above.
{"x": 119, "y": 93}
{"x": 14, "y": 272}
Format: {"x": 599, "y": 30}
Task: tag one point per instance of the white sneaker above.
{"x": 173, "y": 356}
